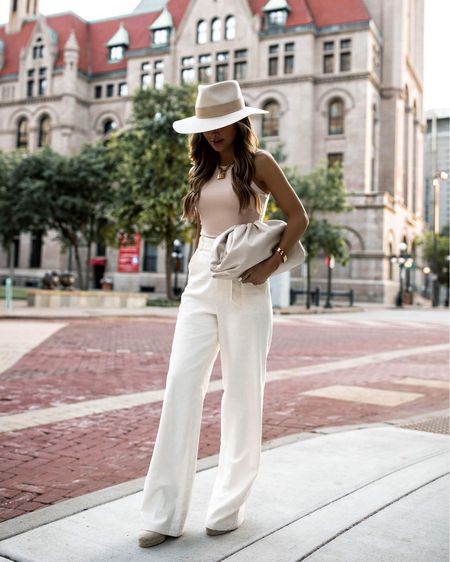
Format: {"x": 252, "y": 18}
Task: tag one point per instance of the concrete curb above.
{"x": 63, "y": 509}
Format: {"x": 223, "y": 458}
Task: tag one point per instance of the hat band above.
{"x": 219, "y": 110}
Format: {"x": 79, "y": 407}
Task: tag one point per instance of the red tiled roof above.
{"x": 320, "y": 12}
{"x": 93, "y": 36}
{"x": 333, "y": 12}
{"x": 13, "y": 44}
{"x": 102, "y": 31}
{"x": 299, "y": 14}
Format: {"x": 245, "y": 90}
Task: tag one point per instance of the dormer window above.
{"x": 161, "y": 29}
{"x": 118, "y": 44}
{"x": 38, "y": 49}
{"x": 161, "y": 37}
{"x": 276, "y": 12}
{"x": 116, "y": 53}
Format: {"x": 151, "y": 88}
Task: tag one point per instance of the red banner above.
{"x": 129, "y": 253}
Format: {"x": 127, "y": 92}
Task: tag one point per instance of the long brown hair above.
{"x": 205, "y": 160}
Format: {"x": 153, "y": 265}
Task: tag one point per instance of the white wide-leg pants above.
{"x": 236, "y": 318}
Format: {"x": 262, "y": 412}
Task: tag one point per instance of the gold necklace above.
{"x": 223, "y": 171}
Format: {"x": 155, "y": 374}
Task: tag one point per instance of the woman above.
{"x": 230, "y": 184}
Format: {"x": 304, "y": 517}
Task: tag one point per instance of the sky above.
{"x": 437, "y": 37}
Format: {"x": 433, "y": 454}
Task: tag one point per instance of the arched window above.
{"x": 216, "y": 30}
{"x": 202, "y": 32}
{"x": 38, "y": 49}
{"x": 22, "y": 133}
{"x": 108, "y": 126}
{"x": 230, "y": 28}
{"x": 271, "y": 120}
{"x": 336, "y": 117}
{"x": 44, "y": 131}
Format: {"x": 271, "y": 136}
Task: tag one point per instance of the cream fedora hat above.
{"x": 217, "y": 105}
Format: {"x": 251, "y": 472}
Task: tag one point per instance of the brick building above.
{"x": 341, "y": 80}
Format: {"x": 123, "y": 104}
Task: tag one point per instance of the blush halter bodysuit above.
{"x": 218, "y": 205}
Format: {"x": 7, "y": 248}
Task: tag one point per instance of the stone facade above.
{"x": 437, "y": 159}
{"x": 341, "y": 80}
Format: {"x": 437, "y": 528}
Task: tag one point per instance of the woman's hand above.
{"x": 260, "y": 272}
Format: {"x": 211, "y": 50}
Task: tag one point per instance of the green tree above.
{"x": 69, "y": 195}
{"x": 151, "y": 168}
{"x": 436, "y": 255}
{"x": 8, "y": 225}
{"x": 322, "y": 193}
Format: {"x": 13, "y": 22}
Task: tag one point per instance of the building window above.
{"x": 240, "y": 70}
{"x": 204, "y": 74}
{"x": 271, "y": 120}
{"x": 158, "y": 80}
{"x": 150, "y": 262}
{"x": 277, "y": 18}
{"x": 328, "y": 57}
{"x": 30, "y": 87}
{"x": 22, "y": 133}
{"x": 222, "y": 56}
{"x": 273, "y": 60}
{"x": 145, "y": 75}
{"x": 123, "y": 89}
{"x": 42, "y": 86}
{"x": 289, "y": 64}
{"x": 335, "y": 157}
{"x": 273, "y": 66}
{"x": 336, "y": 117}
{"x": 328, "y": 63}
{"x": 204, "y": 59}
{"x": 216, "y": 30}
{"x": 289, "y": 58}
{"x": 108, "y": 126}
{"x": 145, "y": 81}
{"x": 221, "y": 72}
{"x": 161, "y": 37}
{"x": 345, "y": 55}
{"x": 240, "y": 54}
{"x": 187, "y": 76}
{"x": 38, "y": 49}
{"x": 109, "y": 90}
{"x": 36, "y": 251}
{"x": 116, "y": 53}
{"x": 98, "y": 92}
{"x": 202, "y": 32}
{"x": 230, "y": 28}
{"x": 44, "y": 131}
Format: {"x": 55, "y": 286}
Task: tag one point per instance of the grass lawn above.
{"x": 18, "y": 293}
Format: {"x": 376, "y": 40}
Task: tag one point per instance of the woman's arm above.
{"x": 197, "y": 235}
{"x": 270, "y": 178}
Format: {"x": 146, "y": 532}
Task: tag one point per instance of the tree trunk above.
{"x": 168, "y": 262}
{"x": 79, "y": 268}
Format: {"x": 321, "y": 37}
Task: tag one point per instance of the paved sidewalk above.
{"x": 375, "y": 494}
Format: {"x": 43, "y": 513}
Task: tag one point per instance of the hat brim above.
{"x": 196, "y": 125}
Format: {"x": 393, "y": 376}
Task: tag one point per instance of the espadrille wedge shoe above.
{"x": 150, "y": 538}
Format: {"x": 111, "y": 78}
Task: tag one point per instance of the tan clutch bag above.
{"x": 244, "y": 245}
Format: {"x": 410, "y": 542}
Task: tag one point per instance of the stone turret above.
{"x": 19, "y": 11}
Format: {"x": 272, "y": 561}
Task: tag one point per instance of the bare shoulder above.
{"x": 263, "y": 158}
{"x": 266, "y": 168}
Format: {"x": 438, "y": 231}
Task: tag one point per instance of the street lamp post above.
{"x": 176, "y": 255}
{"x": 438, "y": 176}
{"x": 403, "y": 260}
